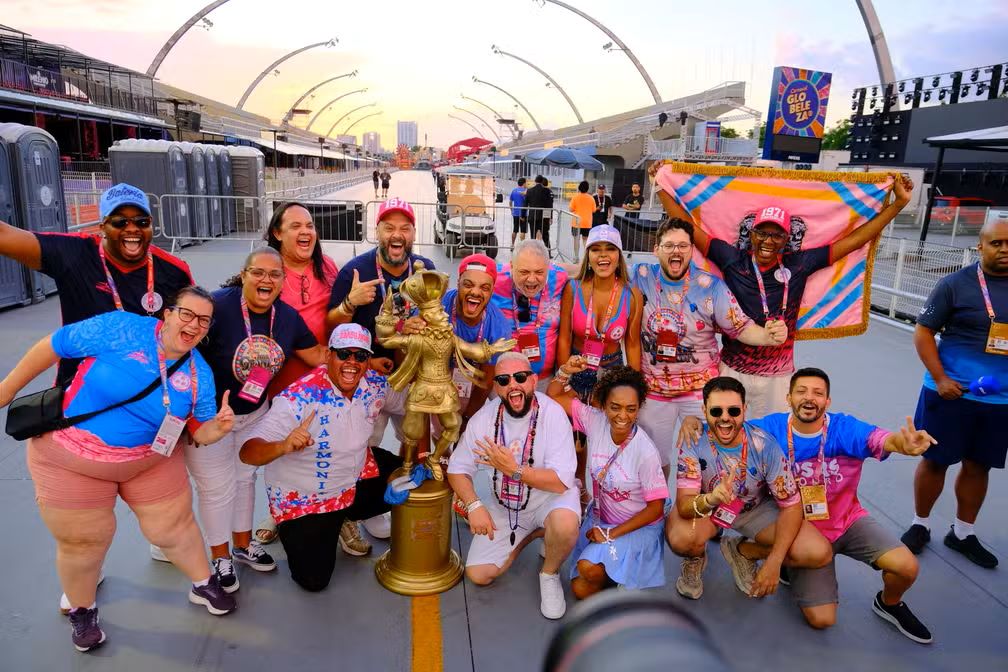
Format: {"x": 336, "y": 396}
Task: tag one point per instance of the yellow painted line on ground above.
{"x": 427, "y": 645}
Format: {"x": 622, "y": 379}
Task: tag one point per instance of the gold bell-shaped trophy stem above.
{"x": 420, "y": 559}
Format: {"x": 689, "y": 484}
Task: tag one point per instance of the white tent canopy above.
{"x": 991, "y": 139}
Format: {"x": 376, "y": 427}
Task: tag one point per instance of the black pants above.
{"x": 312, "y": 541}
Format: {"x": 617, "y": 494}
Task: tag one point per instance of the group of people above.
{"x": 573, "y": 434}
{"x": 383, "y": 177}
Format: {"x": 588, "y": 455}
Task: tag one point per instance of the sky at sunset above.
{"x": 416, "y": 58}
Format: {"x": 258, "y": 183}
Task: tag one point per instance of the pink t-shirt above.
{"x": 634, "y": 478}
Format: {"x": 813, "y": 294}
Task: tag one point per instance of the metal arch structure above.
{"x": 623, "y": 47}
{"x": 290, "y": 112}
{"x": 177, "y": 35}
{"x": 878, "y": 42}
{"x": 481, "y": 119}
{"x": 366, "y": 116}
{"x": 333, "y": 127}
{"x": 475, "y": 130}
{"x": 497, "y": 115}
{"x": 520, "y": 104}
{"x": 272, "y": 66}
{"x": 330, "y": 103}
{"x": 498, "y": 50}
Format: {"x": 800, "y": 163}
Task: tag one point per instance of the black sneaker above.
{"x": 904, "y": 620}
{"x": 213, "y": 597}
{"x": 86, "y": 633}
{"x": 785, "y": 580}
{"x": 255, "y": 556}
{"x": 916, "y": 538}
{"x": 972, "y": 549}
{"x": 226, "y": 575}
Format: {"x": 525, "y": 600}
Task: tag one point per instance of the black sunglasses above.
{"x": 505, "y": 378}
{"x": 717, "y": 411}
{"x": 524, "y": 308}
{"x": 344, "y": 354}
{"x": 120, "y": 222}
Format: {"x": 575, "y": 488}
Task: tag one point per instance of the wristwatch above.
{"x": 517, "y": 474}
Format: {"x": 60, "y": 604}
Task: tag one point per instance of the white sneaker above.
{"x": 379, "y": 527}
{"x": 157, "y": 554}
{"x": 551, "y": 596}
{"x": 65, "y": 605}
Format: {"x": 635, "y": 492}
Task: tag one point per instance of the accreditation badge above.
{"x": 814, "y": 505}
{"x": 462, "y": 384}
{"x": 256, "y": 383}
{"x": 593, "y": 350}
{"x": 667, "y": 346}
{"x": 168, "y": 435}
{"x": 724, "y": 516}
{"x": 997, "y": 339}
{"x": 528, "y": 345}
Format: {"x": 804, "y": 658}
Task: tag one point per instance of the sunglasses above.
{"x": 305, "y": 286}
{"x": 120, "y": 222}
{"x": 505, "y": 378}
{"x": 775, "y": 236}
{"x": 717, "y": 411}
{"x": 524, "y": 308}
{"x": 344, "y": 354}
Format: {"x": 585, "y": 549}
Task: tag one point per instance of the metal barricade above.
{"x": 906, "y": 271}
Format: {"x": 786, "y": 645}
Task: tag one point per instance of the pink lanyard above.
{"x": 590, "y": 318}
{"x": 762, "y": 289}
{"x": 604, "y": 472}
{"x": 454, "y": 320}
{"x": 111, "y": 282}
{"x": 985, "y": 292}
{"x": 163, "y": 370}
{"x": 248, "y": 321}
{"x": 822, "y": 448}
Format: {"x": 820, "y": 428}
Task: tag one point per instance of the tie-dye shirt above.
{"x": 708, "y": 307}
{"x": 547, "y": 304}
{"x": 767, "y": 473}
{"x": 849, "y": 442}
{"x": 322, "y": 477}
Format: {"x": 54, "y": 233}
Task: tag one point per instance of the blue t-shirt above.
{"x": 517, "y": 200}
{"x": 228, "y": 351}
{"x": 494, "y": 325}
{"x": 120, "y": 359}
{"x": 956, "y": 309}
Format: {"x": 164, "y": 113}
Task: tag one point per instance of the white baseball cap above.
{"x": 350, "y": 335}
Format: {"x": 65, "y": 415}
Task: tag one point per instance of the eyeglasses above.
{"x": 505, "y": 378}
{"x": 120, "y": 222}
{"x": 260, "y": 273}
{"x": 344, "y": 354}
{"x": 775, "y": 236}
{"x": 717, "y": 411}
{"x": 675, "y": 247}
{"x": 186, "y": 316}
{"x": 305, "y": 286}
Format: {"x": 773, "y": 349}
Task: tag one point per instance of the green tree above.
{"x": 836, "y": 137}
{"x": 728, "y": 132}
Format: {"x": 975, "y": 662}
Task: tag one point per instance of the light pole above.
{"x": 274, "y": 131}
{"x": 321, "y": 154}
{"x": 622, "y": 47}
{"x": 501, "y": 52}
{"x": 241, "y": 103}
{"x": 330, "y": 104}
{"x": 520, "y": 104}
{"x": 475, "y": 130}
{"x": 333, "y": 127}
{"x": 462, "y": 109}
{"x": 497, "y": 115}
{"x": 366, "y": 116}
{"x": 177, "y": 35}
{"x": 290, "y": 112}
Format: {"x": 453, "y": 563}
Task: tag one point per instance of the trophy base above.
{"x": 406, "y": 583}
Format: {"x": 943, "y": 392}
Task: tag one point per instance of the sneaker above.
{"x": 255, "y": 556}
{"x": 65, "y": 605}
{"x": 213, "y": 597}
{"x": 916, "y": 538}
{"x": 551, "y": 596}
{"x": 785, "y": 580}
{"x": 157, "y": 554}
{"x": 350, "y": 539}
{"x": 379, "y": 527}
{"x": 972, "y": 549}
{"x": 690, "y": 581}
{"x": 904, "y": 620}
{"x": 224, "y": 570}
{"x": 86, "y": 633}
{"x": 743, "y": 569}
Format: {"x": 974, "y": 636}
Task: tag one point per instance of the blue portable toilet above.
{"x": 13, "y": 276}
{"x": 158, "y": 167}
{"x": 213, "y": 190}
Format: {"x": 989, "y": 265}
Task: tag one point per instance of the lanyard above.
{"x": 539, "y": 311}
{"x": 985, "y": 292}
{"x": 163, "y": 370}
{"x": 676, "y": 298}
{"x": 454, "y": 320}
{"x": 604, "y": 472}
{"x": 822, "y": 447}
{"x": 526, "y": 459}
{"x": 111, "y": 283}
{"x": 762, "y": 289}
{"x": 381, "y": 276}
{"x": 743, "y": 458}
{"x": 590, "y": 318}
{"x": 248, "y": 322}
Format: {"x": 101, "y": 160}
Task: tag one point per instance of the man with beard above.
{"x": 528, "y": 292}
{"x": 964, "y": 399}
{"x": 768, "y": 282}
{"x": 523, "y": 442}
{"x": 683, "y": 309}
{"x": 116, "y": 270}
{"x": 736, "y": 477}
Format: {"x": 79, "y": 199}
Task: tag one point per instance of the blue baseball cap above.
{"x": 122, "y": 194}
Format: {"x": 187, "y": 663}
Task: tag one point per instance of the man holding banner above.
{"x": 752, "y": 223}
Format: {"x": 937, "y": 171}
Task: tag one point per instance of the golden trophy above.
{"x": 420, "y": 560}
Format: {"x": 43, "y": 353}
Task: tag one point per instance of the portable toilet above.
{"x": 213, "y": 189}
{"x": 248, "y": 170}
{"x": 34, "y": 159}
{"x": 13, "y": 276}
{"x": 158, "y": 167}
{"x": 199, "y": 215}
{"x": 226, "y": 190}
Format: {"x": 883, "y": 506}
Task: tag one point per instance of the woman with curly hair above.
{"x": 621, "y": 540}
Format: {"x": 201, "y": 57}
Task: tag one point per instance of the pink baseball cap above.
{"x": 604, "y": 234}
{"x": 774, "y": 215}
{"x": 396, "y": 204}
{"x": 479, "y": 262}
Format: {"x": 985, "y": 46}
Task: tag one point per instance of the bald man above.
{"x": 964, "y": 399}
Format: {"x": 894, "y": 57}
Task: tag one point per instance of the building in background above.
{"x": 371, "y": 141}
{"x": 407, "y": 133}
{"x": 347, "y": 139}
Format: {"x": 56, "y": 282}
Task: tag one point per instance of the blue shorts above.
{"x": 965, "y": 429}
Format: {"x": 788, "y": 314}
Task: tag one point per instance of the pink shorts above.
{"x": 64, "y": 480}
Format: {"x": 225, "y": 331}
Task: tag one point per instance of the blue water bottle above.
{"x": 984, "y": 385}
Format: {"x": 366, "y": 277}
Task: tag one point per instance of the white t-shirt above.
{"x": 553, "y": 447}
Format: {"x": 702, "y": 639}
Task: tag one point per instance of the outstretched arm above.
{"x": 20, "y": 245}
{"x": 558, "y": 390}
{"x": 38, "y": 358}
{"x": 902, "y": 187}
{"x": 676, "y": 211}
